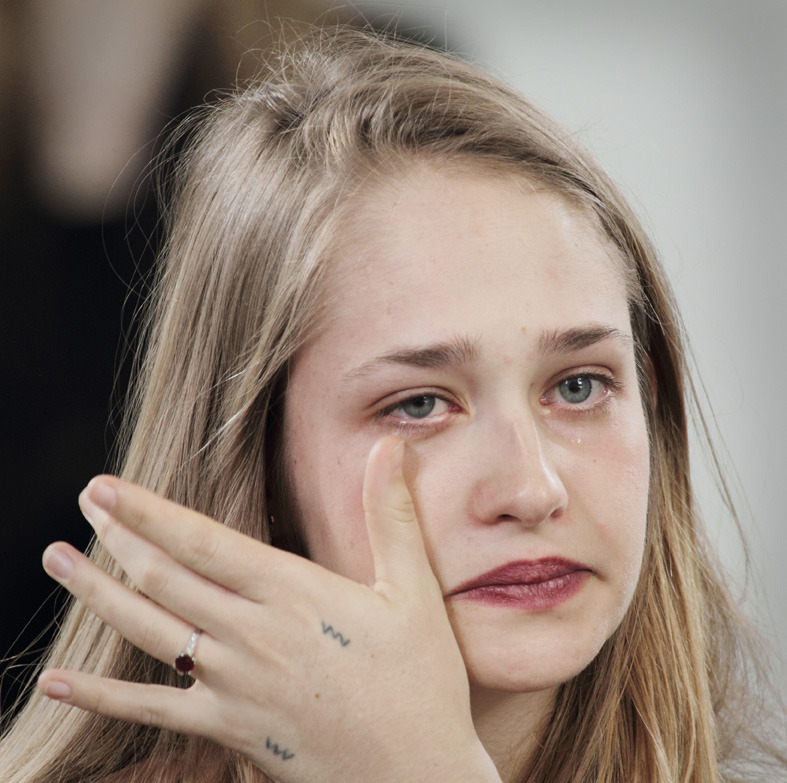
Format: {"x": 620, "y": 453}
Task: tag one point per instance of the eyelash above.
{"x": 611, "y": 387}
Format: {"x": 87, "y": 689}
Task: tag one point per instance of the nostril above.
{"x": 558, "y": 512}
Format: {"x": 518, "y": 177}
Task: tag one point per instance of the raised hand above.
{"x": 310, "y": 675}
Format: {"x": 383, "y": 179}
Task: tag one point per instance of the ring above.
{"x": 186, "y": 661}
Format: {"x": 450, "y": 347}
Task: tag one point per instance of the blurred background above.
{"x": 684, "y": 102}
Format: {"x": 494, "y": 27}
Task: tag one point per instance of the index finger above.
{"x": 207, "y": 547}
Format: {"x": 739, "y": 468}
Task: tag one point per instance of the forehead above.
{"x": 430, "y": 240}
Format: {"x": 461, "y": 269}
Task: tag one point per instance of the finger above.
{"x": 151, "y": 705}
{"x": 145, "y": 624}
{"x": 394, "y": 533}
{"x": 219, "y": 553}
{"x": 171, "y": 585}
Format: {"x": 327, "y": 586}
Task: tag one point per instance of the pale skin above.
{"x": 470, "y": 400}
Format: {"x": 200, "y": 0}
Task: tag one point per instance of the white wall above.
{"x": 685, "y": 102}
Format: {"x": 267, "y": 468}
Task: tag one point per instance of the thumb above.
{"x": 395, "y": 536}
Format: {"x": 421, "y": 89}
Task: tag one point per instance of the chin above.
{"x": 526, "y": 654}
{"x": 524, "y": 677}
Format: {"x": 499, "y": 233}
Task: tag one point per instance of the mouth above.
{"x": 529, "y": 585}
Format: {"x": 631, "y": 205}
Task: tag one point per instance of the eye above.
{"x": 576, "y": 390}
{"x": 418, "y": 411}
{"x": 584, "y": 391}
{"x": 418, "y": 407}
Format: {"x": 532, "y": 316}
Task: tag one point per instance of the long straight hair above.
{"x": 266, "y": 181}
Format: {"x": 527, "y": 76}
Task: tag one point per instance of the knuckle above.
{"x": 89, "y": 593}
{"x": 152, "y": 578}
{"x": 151, "y": 715}
{"x": 135, "y": 512}
{"x": 97, "y": 701}
{"x": 205, "y": 548}
{"x": 403, "y": 511}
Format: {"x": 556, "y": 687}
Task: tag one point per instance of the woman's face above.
{"x": 486, "y": 323}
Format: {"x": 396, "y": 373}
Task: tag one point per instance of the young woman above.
{"x": 409, "y": 334}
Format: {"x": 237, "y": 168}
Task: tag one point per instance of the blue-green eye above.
{"x": 418, "y": 407}
{"x": 577, "y": 389}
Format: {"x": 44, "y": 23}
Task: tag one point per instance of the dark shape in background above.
{"x": 67, "y": 304}
{"x": 71, "y": 284}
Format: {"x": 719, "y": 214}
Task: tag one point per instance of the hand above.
{"x": 310, "y": 675}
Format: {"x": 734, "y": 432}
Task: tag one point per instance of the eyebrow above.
{"x": 457, "y": 351}
{"x": 583, "y": 337}
{"x": 464, "y": 351}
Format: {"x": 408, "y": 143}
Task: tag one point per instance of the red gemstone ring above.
{"x": 185, "y": 662}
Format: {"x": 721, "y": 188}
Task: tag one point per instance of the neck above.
{"x": 509, "y": 726}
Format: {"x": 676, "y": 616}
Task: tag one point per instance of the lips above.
{"x": 532, "y": 585}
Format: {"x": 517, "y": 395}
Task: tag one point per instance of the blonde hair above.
{"x": 267, "y": 178}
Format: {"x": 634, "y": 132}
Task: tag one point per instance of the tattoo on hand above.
{"x": 274, "y": 746}
{"x": 328, "y": 629}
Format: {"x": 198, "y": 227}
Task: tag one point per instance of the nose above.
{"x": 517, "y": 479}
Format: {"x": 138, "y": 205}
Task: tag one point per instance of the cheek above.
{"x": 326, "y": 497}
{"x": 325, "y": 482}
{"x": 616, "y": 487}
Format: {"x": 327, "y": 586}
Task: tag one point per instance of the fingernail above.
{"x": 57, "y": 689}
{"x": 102, "y": 494}
{"x": 96, "y": 499}
{"x": 57, "y": 563}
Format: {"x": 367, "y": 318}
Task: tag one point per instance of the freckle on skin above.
{"x": 316, "y": 695}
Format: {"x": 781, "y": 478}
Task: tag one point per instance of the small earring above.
{"x": 271, "y": 520}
